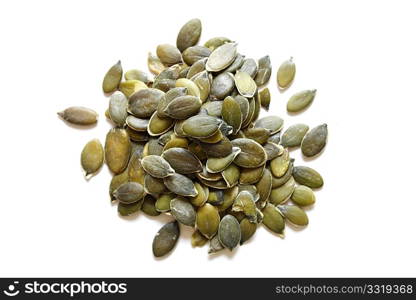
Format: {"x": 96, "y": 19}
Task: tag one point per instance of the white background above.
{"x": 359, "y": 55}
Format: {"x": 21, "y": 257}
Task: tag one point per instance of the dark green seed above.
{"x": 183, "y": 211}
{"x": 229, "y": 232}
{"x": 308, "y": 176}
{"x": 314, "y": 141}
{"x": 112, "y": 78}
{"x": 293, "y": 136}
{"x": 165, "y": 239}
{"x": 129, "y": 192}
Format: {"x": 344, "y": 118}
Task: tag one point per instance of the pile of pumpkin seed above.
{"x": 189, "y": 143}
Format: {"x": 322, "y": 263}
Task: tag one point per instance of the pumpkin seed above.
{"x": 183, "y": 107}
{"x": 279, "y": 181}
{"x": 280, "y": 164}
{"x": 248, "y": 229}
{"x": 286, "y": 73}
{"x": 245, "y": 203}
{"x": 189, "y": 34}
{"x": 245, "y": 84}
{"x": 92, "y": 157}
{"x": 229, "y": 232}
{"x": 135, "y": 74}
{"x": 282, "y": 194}
{"x": 216, "y": 150}
{"x": 137, "y": 136}
{"x": 149, "y": 206}
{"x": 129, "y": 192}
{"x": 300, "y": 101}
{"x": 126, "y": 210}
{"x": 192, "y": 54}
{"x": 153, "y": 148}
{"x": 207, "y": 220}
{"x": 117, "y": 150}
{"x": 168, "y": 54}
{"x": 169, "y": 97}
{"x": 251, "y": 175}
{"x": 314, "y": 141}
{"x": 137, "y": 124}
{"x": 196, "y": 68}
{"x": 215, "y": 197}
{"x": 165, "y": 239}
{"x": 274, "y": 138}
{"x": 201, "y": 126}
{"x": 231, "y": 175}
{"x": 250, "y": 67}
{"x": 237, "y": 63}
{"x": 307, "y": 176}
{"x": 79, "y": 115}
{"x": 117, "y": 181}
{"x": 154, "y": 64}
{"x": 144, "y": 103}
{"x": 293, "y": 136}
{"x": 272, "y": 123}
{"x": 222, "y": 86}
{"x": 244, "y": 106}
{"x": 303, "y": 196}
{"x": 129, "y": 87}
{"x": 273, "y": 150}
{"x": 180, "y": 185}
{"x": 216, "y": 42}
{"x": 182, "y": 160}
{"x": 191, "y": 87}
{"x": 203, "y": 83}
{"x": 221, "y": 57}
{"x": 265, "y": 97}
{"x": 158, "y": 126}
{"x": 294, "y": 214}
{"x": 153, "y": 186}
{"x": 215, "y": 245}
{"x": 264, "y": 186}
{"x": 252, "y": 154}
{"x": 231, "y": 113}
{"x": 197, "y": 239}
{"x": 216, "y": 165}
{"x": 273, "y": 219}
{"x": 157, "y": 166}
{"x": 258, "y": 134}
{"x": 202, "y": 195}
{"x": 264, "y": 71}
{"x": 183, "y": 211}
{"x": 112, "y": 78}
{"x": 162, "y": 203}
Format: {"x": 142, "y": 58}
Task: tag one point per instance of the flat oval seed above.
{"x": 272, "y": 123}
{"x": 247, "y": 230}
{"x": 92, "y": 157}
{"x": 245, "y": 84}
{"x": 137, "y": 124}
{"x": 215, "y": 245}
{"x": 244, "y": 106}
{"x": 182, "y": 160}
{"x": 183, "y": 211}
{"x": 118, "y": 108}
{"x": 273, "y": 150}
{"x": 201, "y": 126}
{"x": 280, "y": 164}
{"x": 315, "y": 140}
{"x": 192, "y": 54}
{"x": 168, "y": 54}
{"x": 196, "y": 68}
{"x": 149, "y": 206}
{"x": 180, "y": 185}
{"x": 231, "y": 113}
{"x": 250, "y": 67}
{"x": 220, "y": 149}
{"x": 303, "y": 196}
{"x": 282, "y": 194}
{"x": 129, "y": 192}
{"x": 189, "y": 34}
{"x": 231, "y": 175}
{"x": 216, "y": 165}
{"x": 264, "y": 71}
{"x": 222, "y": 85}
{"x": 165, "y": 239}
{"x": 215, "y": 197}
{"x": 79, "y": 115}
{"x": 300, "y": 100}
{"x": 273, "y": 219}
{"x": 286, "y": 73}
{"x": 279, "y": 181}
{"x": 203, "y": 83}
{"x": 245, "y": 203}
{"x": 135, "y": 74}
{"x": 216, "y": 42}
{"x": 251, "y": 175}
{"x": 117, "y": 181}
{"x": 252, "y": 154}
{"x": 129, "y": 87}
{"x": 293, "y": 136}
{"x": 126, "y": 210}
{"x": 221, "y": 57}
{"x": 163, "y": 202}
{"x": 183, "y": 107}
{"x": 265, "y": 98}
{"x": 157, "y": 166}
{"x": 169, "y": 97}
{"x": 158, "y": 126}
{"x": 258, "y": 134}
{"x": 191, "y": 87}
{"x": 294, "y": 214}
{"x": 154, "y": 64}
{"x": 307, "y": 176}
{"x": 144, "y": 103}
{"x": 197, "y": 239}
{"x": 237, "y": 63}
{"x": 264, "y": 186}
{"x": 207, "y": 220}
{"x": 117, "y": 150}
{"x": 202, "y": 196}
{"x": 229, "y": 232}
{"x": 112, "y": 78}
{"x": 153, "y": 186}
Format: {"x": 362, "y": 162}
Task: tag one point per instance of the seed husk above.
{"x": 207, "y": 220}
{"x": 216, "y": 42}
{"x": 245, "y": 84}
{"x": 205, "y": 175}
{"x": 294, "y": 214}
{"x": 162, "y": 203}
{"x": 245, "y": 203}
{"x": 219, "y": 184}
{"x": 154, "y": 64}
{"x": 168, "y": 54}
{"x": 182, "y": 160}
{"x": 118, "y": 108}
{"x": 117, "y": 150}
{"x": 221, "y": 57}
{"x": 265, "y": 97}
{"x": 189, "y": 34}
{"x": 92, "y": 157}
{"x": 79, "y": 115}
{"x": 135, "y": 74}
{"x": 180, "y": 185}
{"x": 215, "y": 245}
{"x": 248, "y": 229}
{"x": 129, "y": 192}
{"x": 280, "y": 164}
{"x": 153, "y": 186}
{"x": 197, "y": 239}
{"x": 300, "y": 101}
{"x": 158, "y": 126}
{"x": 192, "y": 54}
{"x": 191, "y": 87}
{"x": 252, "y": 154}
{"x": 183, "y": 107}
{"x": 157, "y": 166}
{"x": 202, "y": 196}
{"x": 201, "y": 126}
{"x": 149, "y": 206}
{"x": 286, "y": 73}
{"x": 231, "y": 175}
{"x": 126, "y": 210}
{"x": 112, "y": 78}
{"x": 231, "y": 113}
{"x": 229, "y": 232}
{"x": 183, "y": 211}
{"x": 282, "y": 194}
{"x": 293, "y": 136}
{"x": 144, "y": 103}
{"x": 307, "y": 176}
{"x": 314, "y": 141}
{"x": 222, "y": 86}
{"x": 216, "y": 165}
{"x": 165, "y": 239}
{"x": 273, "y": 150}
{"x": 129, "y": 87}
{"x": 303, "y": 196}
{"x": 273, "y": 219}
{"x": 272, "y": 123}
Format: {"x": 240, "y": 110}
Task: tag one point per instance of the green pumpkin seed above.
{"x": 129, "y": 87}
{"x": 201, "y": 126}
{"x": 191, "y": 87}
{"x": 189, "y": 34}
{"x": 264, "y": 186}
{"x": 202, "y": 196}
{"x": 205, "y": 175}
{"x": 112, "y": 78}
{"x": 117, "y": 181}
{"x": 153, "y": 186}
{"x": 248, "y": 229}
{"x": 265, "y": 97}
{"x": 250, "y": 114}
{"x": 197, "y": 68}
{"x": 245, "y": 203}
{"x": 137, "y": 136}
{"x": 149, "y": 206}
{"x": 169, "y": 97}
{"x": 180, "y": 185}
{"x": 129, "y": 192}
{"x": 274, "y": 138}
{"x": 252, "y": 154}
{"x": 272, "y": 123}
{"x": 162, "y": 203}
{"x": 273, "y": 219}
{"x": 117, "y": 150}
{"x": 300, "y": 101}
{"x": 157, "y": 166}
{"x": 118, "y": 108}
{"x": 314, "y": 141}
{"x": 250, "y": 67}
{"x": 293, "y": 136}
{"x": 282, "y": 194}
{"x": 137, "y": 124}
{"x": 222, "y": 85}
{"x": 144, "y": 103}
{"x": 303, "y": 196}
{"x": 221, "y": 57}
{"x": 92, "y": 157}
{"x": 192, "y": 54}
{"x": 215, "y": 245}
{"x": 229, "y": 197}
{"x": 158, "y": 126}
{"x": 280, "y": 164}
{"x": 176, "y": 142}
{"x": 135, "y": 74}
{"x": 307, "y": 176}
{"x": 273, "y": 150}
{"x": 279, "y": 181}
{"x": 258, "y": 134}
{"x": 231, "y": 175}
{"x": 264, "y": 71}
{"x": 257, "y": 106}
{"x": 154, "y": 64}
{"x": 244, "y": 106}
{"x": 183, "y": 211}
{"x": 219, "y": 184}
{"x": 197, "y": 239}
{"x": 153, "y": 148}
{"x": 251, "y": 175}
{"x": 216, "y": 42}
{"x": 203, "y": 83}
{"x": 207, "y": 220}
{"x": 216, "y": 165}
{"x": 183, "y": 107}
{"x": 216, "y": 150}
{"x": 294, "y": 214}
{"x": 126, "y": 210}
{"x": 286, "y": 73}
{"x": 165, "y": 239}
{"x": 182, "y": 160}
{"x": 215, "y": 197}
{"x": 245, "y": 84}
{"x": 168, "y": 54}
{"x": 237, "y": 63}
{"x": 79, "y": 115}
{"x": 134, "y": 169}
{"x": 229, "y": 232}
{"x": 231, "y": 113}
{"x": 213, "y": 108}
